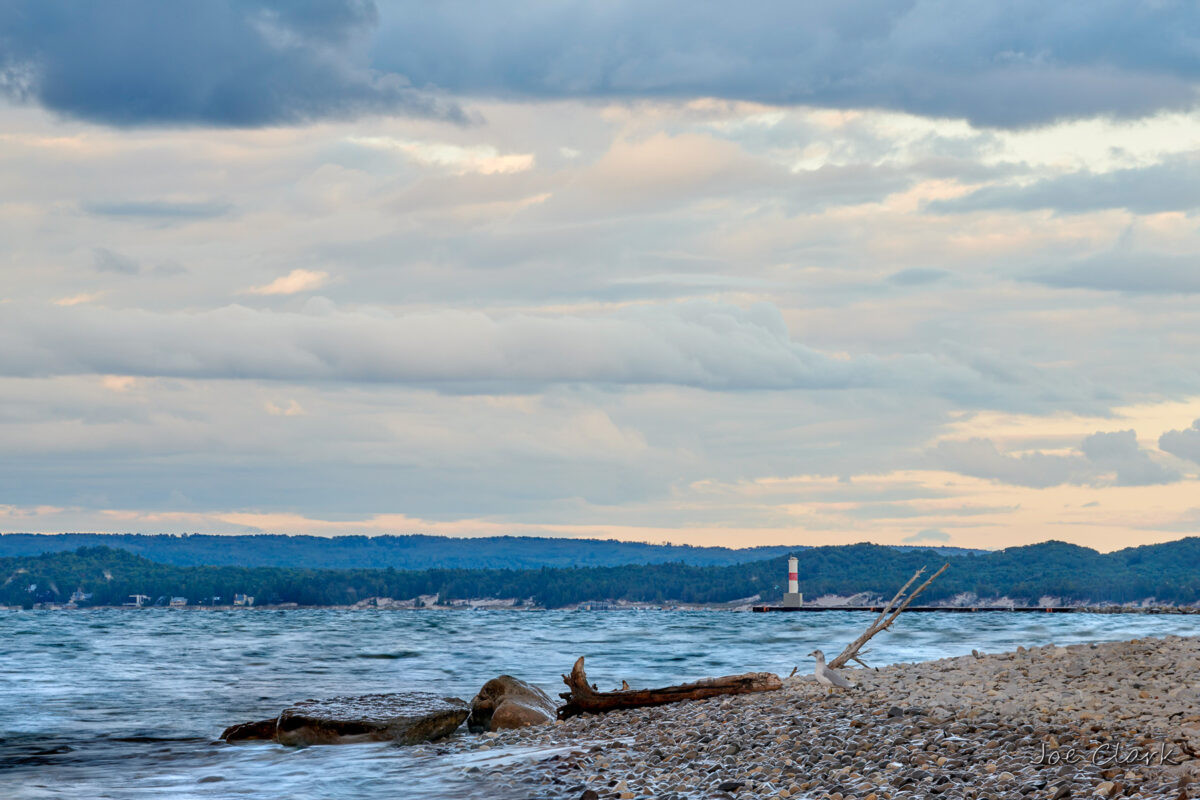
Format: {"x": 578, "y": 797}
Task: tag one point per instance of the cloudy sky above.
{"x": 809, "y": 273}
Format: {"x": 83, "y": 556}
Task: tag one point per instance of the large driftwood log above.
{"x": 886, "y": 618}
{"x": 584, "y": 699}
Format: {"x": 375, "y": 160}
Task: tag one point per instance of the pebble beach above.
{"x": 1090, "y": 720}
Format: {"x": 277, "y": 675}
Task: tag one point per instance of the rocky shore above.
{"x": 1108, "y": 720}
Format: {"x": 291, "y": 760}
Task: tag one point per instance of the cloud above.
{"x": 1005, "y": 64}
{"x": 267, "y": 62}
{"x": 1184, "y": 443}
{"x": 1102, "y": 458}
{"x": 79, "y": 299}
{"x": 160, "y": 210}
{"x": 211, "y": 62}
{"x": 1132, "y": 273}
{"x": 980, "y": 458}
{"x": 708, "y": 345}
{"x": 107, "y": 261}
{"x": 928, "y": 535}
{"x": 118, "y": 383}
{"x": 917, "y": 276}
{"x": 1173, "y": 185}
{"x": 292, "y": 409}
{"x": 698, "y": 344}
{"x": 1119, "y": 451}
{"x": 483, "y": 159}
{"x": 296, "y": 281}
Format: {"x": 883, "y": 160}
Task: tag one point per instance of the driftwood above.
{"x": 886, "y": 618}
{"x": 584, "y": 699}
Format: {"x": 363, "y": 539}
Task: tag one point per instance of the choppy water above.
{"x": 129, "y": 704}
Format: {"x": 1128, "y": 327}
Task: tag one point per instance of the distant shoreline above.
{"x": 1050, "y": 576}
{"x": 600, "y": 608}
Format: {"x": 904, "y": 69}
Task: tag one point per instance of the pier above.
{"x": 918, "y": 609}
{"x": 1007, "y": 609}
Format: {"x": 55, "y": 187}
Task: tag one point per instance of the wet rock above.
{"x": 262, "y": 730}
{"x": 507, "y": 702}
{"x": 403, "y": 718}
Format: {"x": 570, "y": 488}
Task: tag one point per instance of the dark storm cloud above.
{"x": 1005, "y": 64}
{"x": 258, "y": 62}
{"x": 1132, "y": 273}
{"x": 1173, "y": 185}
{"x": 208, "y": 62}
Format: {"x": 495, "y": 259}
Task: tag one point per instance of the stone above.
{"x": 402, "y": 717}
{"x": 507, "y": 702}
{"x": 262, "y": 730}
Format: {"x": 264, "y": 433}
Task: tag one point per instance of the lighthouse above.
{"x": 793, "y": 598}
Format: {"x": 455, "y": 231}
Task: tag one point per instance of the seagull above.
{"x": 827, "y": 676}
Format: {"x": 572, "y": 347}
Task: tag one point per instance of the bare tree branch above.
{"x": 899, "y": 595}
{"x": 885, "y": 619}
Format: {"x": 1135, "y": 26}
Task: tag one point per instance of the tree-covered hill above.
{"x": 1170, "y": 573}
{"x": 401, "y": 552}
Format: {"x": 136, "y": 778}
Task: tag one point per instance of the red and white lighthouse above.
{"x": 793, "y": 598}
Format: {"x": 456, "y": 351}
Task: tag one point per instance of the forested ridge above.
{"x": 1169, "y": 573}
{"x": 410, "y": 551}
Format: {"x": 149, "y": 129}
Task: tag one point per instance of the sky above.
{"x": 788, "y": 273}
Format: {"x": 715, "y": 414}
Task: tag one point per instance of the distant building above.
{"x": 178, "y": 602}
{"x": 598, "y": 605}
{"x": 138, "y": 600}
{"x": 80, "y": 596}
{"x": 243, "y": 600}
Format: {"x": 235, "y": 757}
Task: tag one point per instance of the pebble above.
{"x": 970, "y": 728}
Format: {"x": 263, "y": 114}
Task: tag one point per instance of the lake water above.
{"x": 129, "y": 704}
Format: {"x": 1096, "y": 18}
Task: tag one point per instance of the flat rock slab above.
{"x": 401, "y": 717}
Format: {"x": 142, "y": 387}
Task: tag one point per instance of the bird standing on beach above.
{"x": 826, "y": 676}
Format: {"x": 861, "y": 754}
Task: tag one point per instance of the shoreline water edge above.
{"x": 1118, "y": 719}
{"x": 746, "y": 605}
